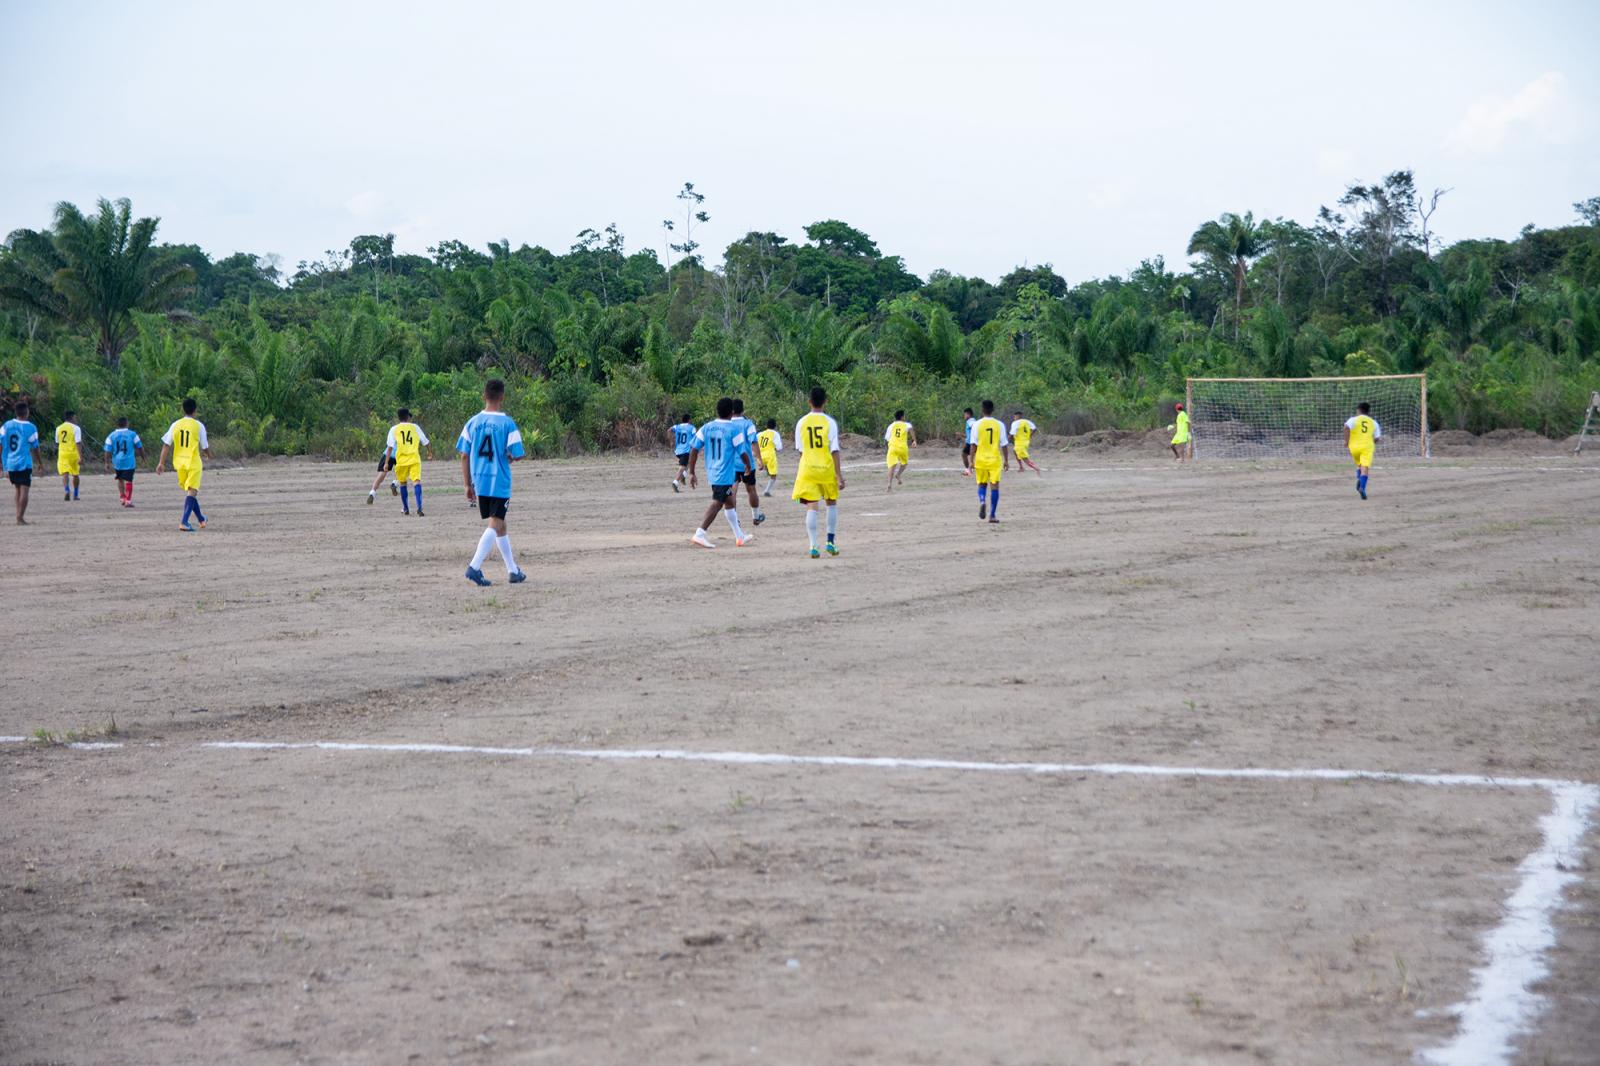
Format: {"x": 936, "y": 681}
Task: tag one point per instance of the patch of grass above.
{"x": 1369, "y": 553}
{"x": 1514, "y": 525}
{"x": 45, "y": 736}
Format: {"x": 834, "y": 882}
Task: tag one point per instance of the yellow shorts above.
{"x": 188, "y": 476}
{"x": 67, "y": 465}
{"x": 897, "y": 457}
{"x": 809, "y": 487}
{"x": 987, "y": 473}
{"x": 771, "y": 467}
{"x": 1362, "y": 457}
{"x": 406, "y": 473}
{"x": 1020, "y": 453}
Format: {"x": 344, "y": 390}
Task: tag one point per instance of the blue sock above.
{"x": 994, "y": 500}
{"x": 405, "y": 500}
{"x": 982, "y": 488}
{"x": 1361, "y": 482}
{"x": 188, "y": 505}
{"x": 197, "y": 512}
{"x": 416, "y": 490}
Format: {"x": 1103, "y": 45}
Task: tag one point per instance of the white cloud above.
{"x": 1542, "y": 105}
{"x": 369, "y": 204}
{"x": 1336, "y": 161}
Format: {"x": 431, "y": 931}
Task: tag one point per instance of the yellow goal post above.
{"x": 1304, "y": 418}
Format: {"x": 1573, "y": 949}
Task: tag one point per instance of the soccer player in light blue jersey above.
{"x": 727, "y": 458}
{"x": 749, "y": 480}
{"x": 490, "y": 442}
{"x": 123, "y": 449}
{"x": 682, "y": 445}
{"x": 19, "y": 448}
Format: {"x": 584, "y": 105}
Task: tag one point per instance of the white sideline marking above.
{"x": 1501, "y": 1005}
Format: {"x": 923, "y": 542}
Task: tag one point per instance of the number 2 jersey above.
{"x": 490, "y": 440}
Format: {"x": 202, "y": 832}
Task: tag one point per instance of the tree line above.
{"x": 605, "y": 345}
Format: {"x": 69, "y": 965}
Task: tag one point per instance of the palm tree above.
{"x": 1230, "y": 243}
{"x": 109, "y": 269}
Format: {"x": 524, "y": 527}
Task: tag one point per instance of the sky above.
{"x": 969, "y": 137}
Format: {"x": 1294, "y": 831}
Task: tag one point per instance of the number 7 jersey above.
{"x": 490, "y": 439}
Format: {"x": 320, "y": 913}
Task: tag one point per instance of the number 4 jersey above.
{"x": 490, "y": 439}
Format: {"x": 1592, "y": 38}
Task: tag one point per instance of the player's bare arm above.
{"x": 466, "y": 479}
{"x": 694, "y": 458}
{"x": 838, "y": 471}
{"x": 161, "y": 463}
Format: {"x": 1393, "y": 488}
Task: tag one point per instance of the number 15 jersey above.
{"x": 490, "y": 439}
{"x": 817, "y": 437}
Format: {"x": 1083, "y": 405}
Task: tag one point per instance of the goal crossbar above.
{"x": 1304, "y": 418}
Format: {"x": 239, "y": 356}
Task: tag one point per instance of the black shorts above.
{"x": 493, "y": 507}
{"x": 385, "y": 461}
{"x": 20, "y": 477}
{"x": 722, "y": 493}
{"x": 683, "y": 460}
{"x": 747, "y": 479}
{"x": 124, "y": 475}
{"x": 966, "y": 449}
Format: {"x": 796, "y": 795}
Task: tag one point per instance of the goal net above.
{"x": 1303, "y": 418}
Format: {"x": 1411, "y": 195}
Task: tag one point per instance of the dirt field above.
{"x": 165, "y": 901}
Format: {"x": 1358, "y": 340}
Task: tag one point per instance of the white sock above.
{"x": 833, "y": 519}
{"x": 811, "y": 525}
{"x": 485, "y": 543}
{"x": 504, "y": 544}
{"x": 771, "y": 481}
{"x": 733, "y": 521}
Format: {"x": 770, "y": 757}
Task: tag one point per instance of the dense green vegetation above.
{"x": 602, "y": 347}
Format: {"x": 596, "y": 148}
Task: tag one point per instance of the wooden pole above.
{"x": 1188, "y": 409}
{"x": 1588, "y": 417}
{"x": 1427, "y": 453}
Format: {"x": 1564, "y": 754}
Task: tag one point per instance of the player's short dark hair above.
{"x": 67, "y": 415}
{"x": 772, "y": 423}
{"x": 684, "y": 417}
{"x": 988, "y": 407}
{"x": 738, "y": 406}
{"x": 819, "y": 396}
{"x": 725, "y": 407}
{"x": 21, "y": 409}
{"x": 122, "y": 421}
{"x": 898, "y": 415}
{"x": 494, "y": 389}
{"x": 966, "y": 410}
{"x": 1364, "y": 407}
{"x": 189, "y": 405}
{"x": 404, "y": 414}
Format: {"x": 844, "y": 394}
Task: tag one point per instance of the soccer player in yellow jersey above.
{"x": 1361, "y": 436}
{"x": 901, "y": 435}
{"x": 69, "y": 435}
{"x": 991, "y": 454}
{"x": 820, "y": 476}
{"x": 404, "y": 446}
{"x": 769, "y": 442}
{"x": 1180, "y": 433}
{"x": 1022, "y": 431}
{"x": 185, "y": 440}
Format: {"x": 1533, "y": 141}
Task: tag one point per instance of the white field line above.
{"x": 1501, "y": 1006}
